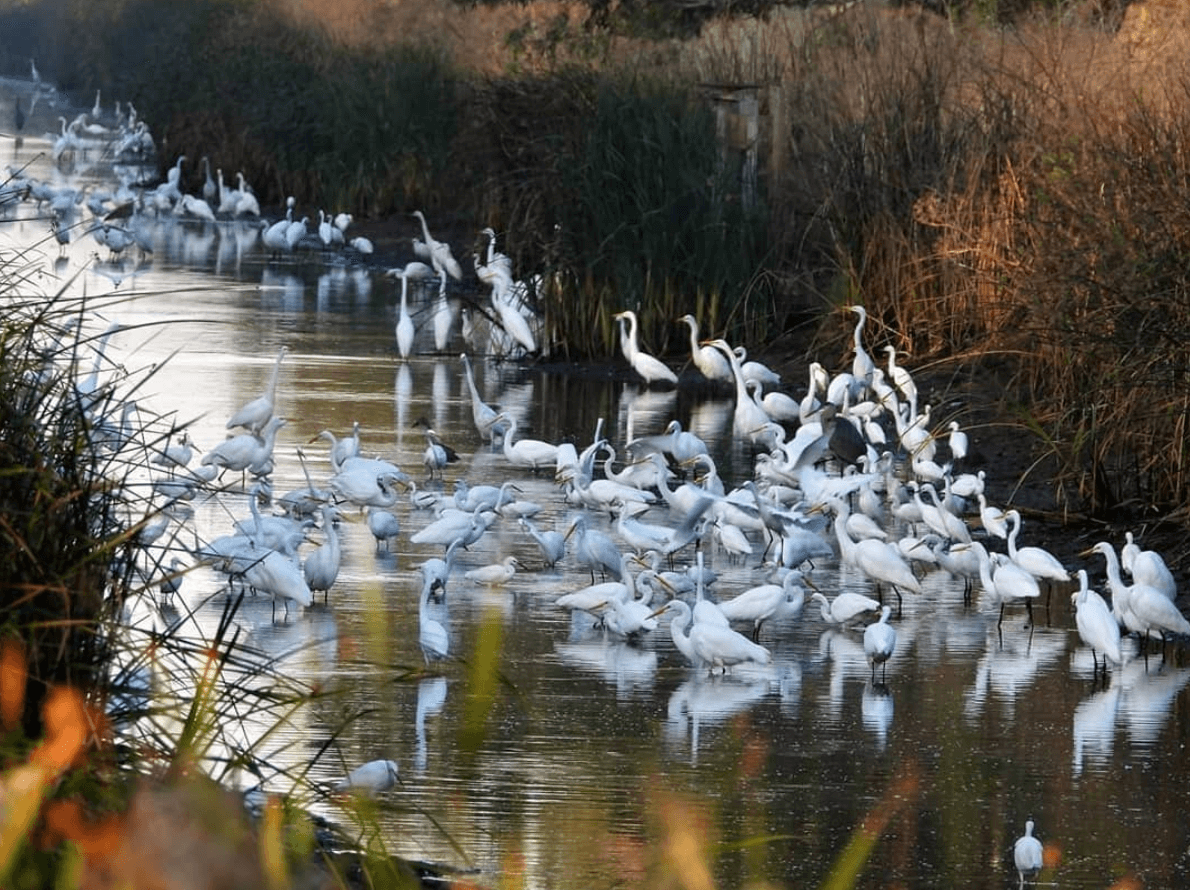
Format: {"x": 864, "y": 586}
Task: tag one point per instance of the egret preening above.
{"x": 846, "y": 608}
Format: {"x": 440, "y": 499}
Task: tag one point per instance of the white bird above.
{"x": 1096, "y": 625}
{"x": 1005, "y": 582}
{"x": 531, "y": 453}
{"x": 900, "y": 377}
{"x": 749, "y": 420}
{"x": 495, "y": 574}
{"x": 341, "y": 449}
{"x": 247, "y": 451}
{"x": 651, "y": 370}
{"x": 484, "y": 415}
{"x": 880, "y": 639}
{"x": 439, "y": 251}
{"x": 957, "y": 442}
{"x": 711, "y": 363}
{"x": 1147, "y": 567}
{"x": 846, "y": 608}
{"x": 754, "y": 370}
{"x": 514, "y": 323}
{"x": 1027, "y": 854}
{"x": 256, "y": 413}
{"x": 376, "y": 775}
{"x": 714, "y": 645}
{"x": 594, "y": 549}
{"x": 176, "y": 455}
{"x": 862, "y": 365}
{"x": 1039, "y": 563}
{"x": 995, "y": 521}
{"x": 278, "y": 575}
{"x": 383, "y": 525}
{"x": 551, "y": 543}
{"x": 321, "y": 567}
{"x": 759, "y": 604}
{"x": 405, "y": 330}
{"x": 879, "y": 560}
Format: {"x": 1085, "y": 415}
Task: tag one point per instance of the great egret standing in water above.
{"x": 880, "y": 639}
{"x": 1027, "y": 854}
{"x": 651, "y": 370}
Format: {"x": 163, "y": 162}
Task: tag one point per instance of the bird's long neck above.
{"x": 276, "y": 374}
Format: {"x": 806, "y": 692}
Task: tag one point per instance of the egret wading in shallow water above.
{"x": 880, "y": 639}
{"x": 256, "y": 413}
{"x": 375, "y": 775}
{"x": 1027, "y": 855}
{"x": 711, "y": 363}
{"x": 1096, "y": 625}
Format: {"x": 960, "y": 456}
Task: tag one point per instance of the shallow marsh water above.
{"x": 595, "y": 750}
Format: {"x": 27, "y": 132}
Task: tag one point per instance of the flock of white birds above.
{"x": 852, "y": 468}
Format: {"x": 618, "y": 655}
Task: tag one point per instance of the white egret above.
{"x": 862, "y": 365}
{"x": 759, "y": 604}
{"x": 900, "y": 376}
{"x": 440, "y": 254}
{"x": 277, "y": 575}
{"x": 246, "y": 451}
{"x": 1005, "y": 582}
{"x": 880, "y": 639}
{"x": 175, "y": 455}
{"x": 365, "y": 485}
{"x": 405, "y": 330}
{"x": 321, "y": 566}
{"x": 718, "y": 646}
{"x": 1147, "y": 567}
{"x": 494, "y": 575}
{"x": 376, "y": 775}
{"x": 995, "y": 521}
{"x": 651, "y": 370}
{"x": 957, "y": 442}
{"x": 846, "y": 608}
{"x": 1039, "y": 563}
{"x": 341, "y": 449}
{"x": 256, "y": 413}
{"x": 1027, "y": 855}
{"x": 1096, "y": 625}
{"x": 749, "y": 419}
{"x": 383, "y": 525}
{"x": 711, "y": 363}
{"x": 754, "y": 370}
{"x": 879, "y": 560}
{"x": 552, "y": 543}
{"x": 531, "y": 453}
{"x": 486, "y": 417}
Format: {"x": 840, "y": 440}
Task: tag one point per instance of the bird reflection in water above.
{"x": 709, "y": 700}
